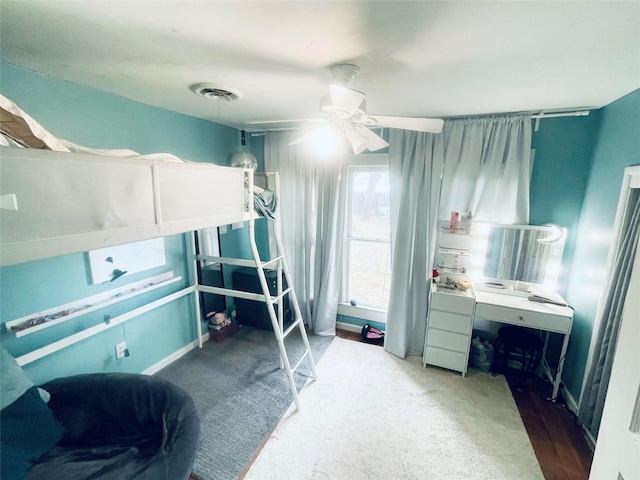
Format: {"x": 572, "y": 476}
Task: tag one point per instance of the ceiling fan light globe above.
{"x": 357, "y": 140}
{"x": 374, "y": 141}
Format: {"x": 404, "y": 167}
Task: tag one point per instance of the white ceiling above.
{"x": 431, "y": 59}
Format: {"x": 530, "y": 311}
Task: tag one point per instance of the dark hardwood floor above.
{"x": 560, "y": 444}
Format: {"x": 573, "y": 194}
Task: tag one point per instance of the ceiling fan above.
{"x": 345, "y": 109}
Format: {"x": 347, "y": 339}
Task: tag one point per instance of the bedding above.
{"x": 18, "y": 126}
{"x": 265, "y": 202}
{"x": 63, "y": 198}
{"x": 19, "y": 129}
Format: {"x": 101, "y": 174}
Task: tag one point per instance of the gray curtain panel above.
{"x": 313, "y": 192}
{"x": 481, "y": 165}
{"x": 599, "y": 373}
{"x": 487, "y": 168}
{"x": 416, "y": 163}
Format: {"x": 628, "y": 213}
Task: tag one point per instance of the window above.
{"x": 367, "y": 271}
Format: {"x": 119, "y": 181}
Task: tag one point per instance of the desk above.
{"x": 511, "y": 309}
{"x": 520, "y": 311}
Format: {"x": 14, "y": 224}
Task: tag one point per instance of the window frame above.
{"x": 359, "y": 163}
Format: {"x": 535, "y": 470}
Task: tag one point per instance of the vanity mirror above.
{"x": 525, "y": 253}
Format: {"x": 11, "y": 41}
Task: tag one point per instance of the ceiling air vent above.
{"x": 213, "y": 91}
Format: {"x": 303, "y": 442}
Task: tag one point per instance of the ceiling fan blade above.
{"x": 345, "y": 99}
{"x": 431, "y": 125}
{"x": 361, "y": 139}
{"x": 291, "y": 120}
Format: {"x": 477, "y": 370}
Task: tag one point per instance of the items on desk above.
{"x": 453, "y": 223}
{"x": 522, "y": 287}
{"x": 467, "y": 221}
{"x": 541, "y": 299}
{"x": 435, "y": 276}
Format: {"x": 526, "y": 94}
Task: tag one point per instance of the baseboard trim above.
{"x": 174, "y": 356}
{"x": 571, "y": 402}
{"x": 572, "y": 405}
{"x": 349, "y": 327}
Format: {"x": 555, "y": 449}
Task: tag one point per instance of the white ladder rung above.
{"x": 291, "y": 327}
{"x": 273, "y": 260}
{"x": 276, "y": 298}
{"x": 304, "y": 355}
{"x": 232, "y": 293}
{"x": 227, "y": 260}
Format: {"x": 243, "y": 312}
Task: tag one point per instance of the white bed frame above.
{"x": 58, "y": 203}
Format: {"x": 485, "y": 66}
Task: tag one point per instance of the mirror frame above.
{"x": 556, "y": 239}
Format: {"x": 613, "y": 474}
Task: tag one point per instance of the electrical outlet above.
{"x": 121, "y": 350}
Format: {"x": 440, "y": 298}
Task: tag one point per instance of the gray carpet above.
{"x": 240, "y": 393}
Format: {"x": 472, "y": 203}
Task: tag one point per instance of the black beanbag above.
{"x": 120, "y": 426}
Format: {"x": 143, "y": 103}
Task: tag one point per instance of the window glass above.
{"x": 367, "y": 249}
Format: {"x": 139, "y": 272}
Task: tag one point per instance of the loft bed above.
{"x": 57, "y": 203}
{"x": 58, "y": 198}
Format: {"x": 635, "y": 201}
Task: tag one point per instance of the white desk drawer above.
{"x": 450, "y": 302}
{"x": 446, "y": 359}
{"x": 452, "y": 322}
{"x": 524, "y": 318}
{"x": 451, "y": 341}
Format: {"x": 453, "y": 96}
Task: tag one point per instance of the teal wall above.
{"x": 617, "y": 146}
{"x": 562, "y": 162}
{"x": 98, "y": 119}
{"x": 95, "y": 118}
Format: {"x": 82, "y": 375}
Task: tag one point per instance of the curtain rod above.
{"x": 536, "y": 117}
{"x": 577, "y": 113}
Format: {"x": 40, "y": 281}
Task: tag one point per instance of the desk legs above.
{"x": 556, "y": 382}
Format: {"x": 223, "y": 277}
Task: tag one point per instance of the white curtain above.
{"x": 482, "y": 165}
{"x": 415, "y": 168}
{"x": 487, "y": 168}
{"x": 312, "y": 198}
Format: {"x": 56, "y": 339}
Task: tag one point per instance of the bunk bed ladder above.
{"x": 277, "y": 319}
{"x": 279, "y": 262}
